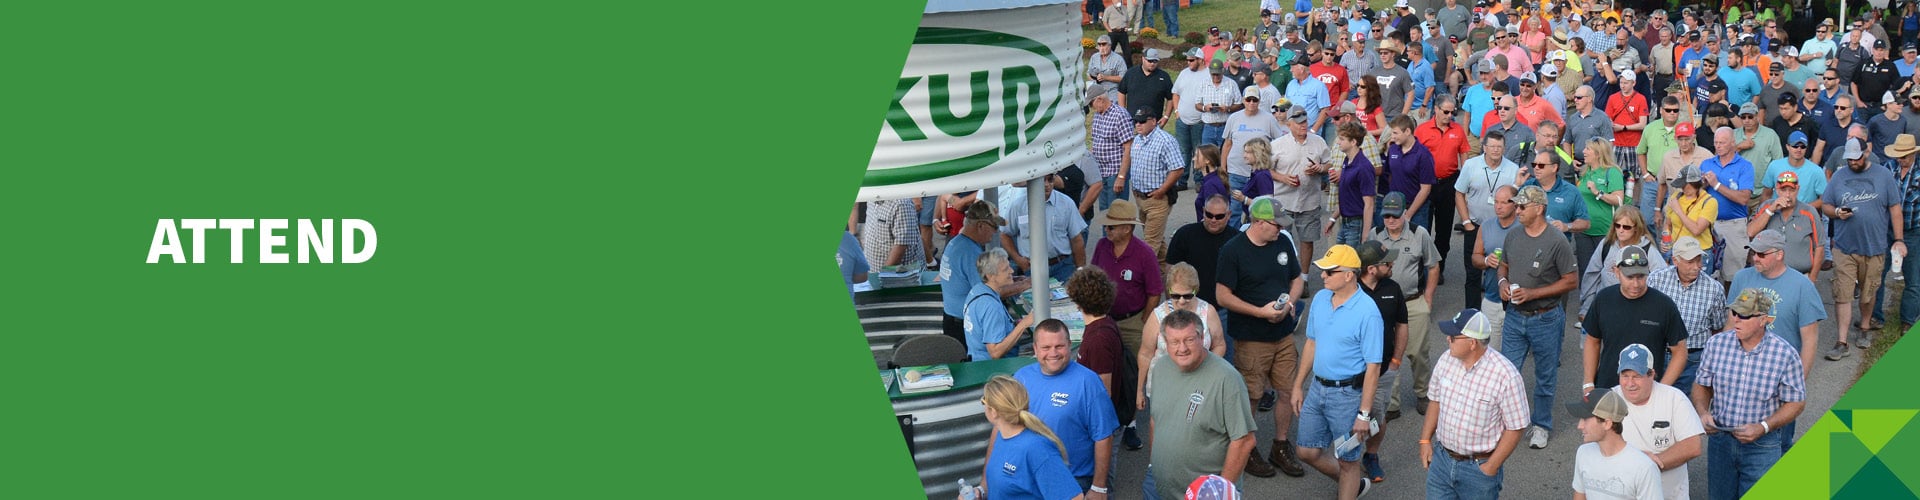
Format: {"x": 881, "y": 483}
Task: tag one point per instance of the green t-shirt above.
{"x": 1599, "y": 213}
{"x": 1195, "y": 416}
{"x": 1655, "y": 142}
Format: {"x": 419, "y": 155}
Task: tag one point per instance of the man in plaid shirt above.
{"x": 1750, "y": 386}
{"x": 1154, "y": 163}
{"x": 1702, "y": 303}
{"x": 1112, "y": 134}
{"x": 1477, "y": 408}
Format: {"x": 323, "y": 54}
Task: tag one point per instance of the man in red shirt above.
{"x": 1331, "y": 74}
{"x": 1447, "y": 141}
{"x": 1628, "y": 111}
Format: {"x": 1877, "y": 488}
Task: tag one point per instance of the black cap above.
{"x": 1717, "y": 86}
{"x": 1693, "y": 35}
{"x": 1718, "y": 109}
{"x": 1879, "y": 44}
{"x": 1787, "y": 99}
{"x": 1144, "y": 115}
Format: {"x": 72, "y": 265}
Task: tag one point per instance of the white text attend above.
{"x": 317, "y": 244}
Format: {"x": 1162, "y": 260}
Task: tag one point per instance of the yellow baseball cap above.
{"x": 1339, "y": 256}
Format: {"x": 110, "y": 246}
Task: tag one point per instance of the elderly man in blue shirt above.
{"x": 1730, "y": 179}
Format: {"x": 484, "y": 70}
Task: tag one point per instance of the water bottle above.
{"x": 967, "y": 492}
{"x": 1287, "y": 298}
{"x": 1898, "y": 273}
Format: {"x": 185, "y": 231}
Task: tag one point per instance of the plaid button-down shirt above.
{"x": 1154, "y": 156}
{"x": 1910, "y": 197}
{"x": 1477, "y": 404}
{"x": 1749, "y": 385}
{"x": 1111, "y": 132}
{"x": 1703, "y": 305}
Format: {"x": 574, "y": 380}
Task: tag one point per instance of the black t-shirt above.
{"x": 1651, "y": 320}
{"x": 1874, "y": 79}
{"x": 1393, "y": 312}
{"x": 1258, "y": 274}
{"x": 1195, "y": 246}
{"x": 1148, "y": 91}
{"x": 1806, "y": 126}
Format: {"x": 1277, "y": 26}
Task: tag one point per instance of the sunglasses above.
{"x": 1832, "y": 78}
{"x": 1548, "y": 164}
{"x": 1579, "y": 97}
{"x": 1331, "y": 272}
{"x": 1797, "y": 146}
{"x": 1181, "y": 296}
{"x": 1634, "y": 261}
{"x": 1747, "y": 316}
{"x": 1504, "y": 108}
{"x": 1623, "y": 226}
{"x": 1446, "y": 111}
{"x": 1671, "y": 110}
{"x": 1843, "y": 107}
{"x": 1216, "y": 216}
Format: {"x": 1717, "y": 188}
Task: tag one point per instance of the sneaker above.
{"x": 1267, "y": 401}
{"x": 1422, "y": 409}
{"x": 1865, "y": 341}
{"x": 1282, "y": 457}
{"x": 1393, "y": 415}
{"x": 1256, "y": 466}
{"x": 1374, "y": 472}
{"x": 1826, "y": 265}
{"x": 1130, "y": 439}
{"x": 1539, "y": 440}
{"x": 1365, "y": 487}
{"x": 1838, "y": 352}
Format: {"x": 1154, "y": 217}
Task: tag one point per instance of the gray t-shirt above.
{"x": 1519, "y": 139}
{"x": 1802, "y": 228}
{"x": 1795, "y": 302}
{"x": 1770, "y": 100}
{"x": 1868, "y": 193}
{"x": 1913, "y": 122}
{"x": 1537, "y": 261}
{"x": 1882, "y": 131}
{"x": 1581, "y": 129}
{"x": 1241, "y": 129}
{"x": 1112, "y": 65}
{"x": 1453, "y": 20}
{"x": 1195, "y": 416}
{"x": 1417, "y": 254}
{"x": 1395, "y": 83}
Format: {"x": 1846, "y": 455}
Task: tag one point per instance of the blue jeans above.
{"x": 1540, "y": 333}
{"x": 1213, "y": 134}
{"x": 1349, "y": 232}
{"x": 1170, "y": 10}
{"x": 1910, "y": 296}
{"x": 1449, "y": 479}
{"x": 1189, "y": 138}
{"x": 1062, "y": 271}
{"x": 1685, "y": 382}
{"x": 1106, "y": 192}
{"x": 1234, "y": 207}
{"x": 1649, "y": 204}
{"x": 1326, "y": 415}
{"x": 1733, "y": 467}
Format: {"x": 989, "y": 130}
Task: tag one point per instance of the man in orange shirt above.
{"x": 1533, "y": 109}
{"x": 1447, "y": 141}
{"x": 1628, "y": 111}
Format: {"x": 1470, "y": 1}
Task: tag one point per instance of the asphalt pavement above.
{"x": 1530, "y": 473}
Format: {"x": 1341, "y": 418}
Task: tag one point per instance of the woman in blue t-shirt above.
{"x": 1022, "y": 464}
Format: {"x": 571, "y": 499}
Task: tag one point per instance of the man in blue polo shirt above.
{"x": 1342, "y": 355}
{"x": 1073, "y": 402}
{"x": 1566, "y": 212}
{"x": 958, "y": 275}
{"x": 1730, "y": 178}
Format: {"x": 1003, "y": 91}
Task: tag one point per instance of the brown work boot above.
{"x": 1256, "y": 466}
{"x": 1282, "y": 457}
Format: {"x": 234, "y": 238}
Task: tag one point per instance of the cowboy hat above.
{"x": 1121, "y": 212}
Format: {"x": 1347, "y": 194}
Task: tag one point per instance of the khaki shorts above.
{"x": 1268, "y": 364}
{"x": 1850, "y": 270}
{"x": 1306, "y": 225}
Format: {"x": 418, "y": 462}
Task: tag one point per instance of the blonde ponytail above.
{"x": 1008, "y": 397}
{"x": 1033, "y": 423}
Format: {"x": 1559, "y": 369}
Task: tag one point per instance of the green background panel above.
{"x": 603, "y": 266}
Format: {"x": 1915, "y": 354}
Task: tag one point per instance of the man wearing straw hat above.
{"x": 1132, "y": 266}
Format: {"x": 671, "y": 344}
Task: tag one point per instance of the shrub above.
{"x": 1086, "y": 43}
{"x": 1149, "y": 33}
{"x": 1195, "y": 38}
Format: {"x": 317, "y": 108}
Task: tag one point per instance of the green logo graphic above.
{"x": 1023, "y": 114}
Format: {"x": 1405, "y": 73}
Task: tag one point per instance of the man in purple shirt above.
{"x": 1409, "y": 171}
{"x": 1132, "y": 265}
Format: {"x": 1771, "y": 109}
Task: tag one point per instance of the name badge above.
{"x": 1126, "y": 275}
{"x": 1490, "y": 200}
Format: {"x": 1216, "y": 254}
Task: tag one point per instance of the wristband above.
{"x": 1764, "y": 427}
{"x": 1097, "y": 489}
{"x": 1585, "y": 386}
{"x": 1426, "y": 441}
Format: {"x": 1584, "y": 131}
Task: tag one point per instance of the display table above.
{"x": 947, "y": 430}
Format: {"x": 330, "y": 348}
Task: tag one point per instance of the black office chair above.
{"x": 921, "y": 350}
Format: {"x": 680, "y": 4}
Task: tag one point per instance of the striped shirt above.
{"x": 1111, "y": 132}
{"x": 1749, "y": 385}
{"x": 889, "y": 223}
{"x": 1154, "y": 156}
{"x": 1910, "y": 198}
{"x": 1225, "y": 93}
{"x": 1477, "y": 404}
{"x": 1703, "y": 305}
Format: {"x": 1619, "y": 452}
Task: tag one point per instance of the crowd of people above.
{"x": 1667, "y": 184}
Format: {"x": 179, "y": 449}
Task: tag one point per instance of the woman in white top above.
{"x": 1182, "y": 282}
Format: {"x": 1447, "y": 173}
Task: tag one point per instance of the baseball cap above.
{"x": 1687, "y": 248}
{"x": 1787, "y": 178}
{"x": 1879, "y": 44}
{"x": 1717, "y": 86}
{"x": 1636, "y": 357}
{"x": 1252, "y": 93}
{"x": 1151, "y": 54}
{"x": 1751, "y": 109}
{"x": 1603, "y": 403}
{"x": 1394, "y": 205}
{"x": 1689, "y": 174}
{"x": 1339, "y": 256}
{"x": 1854, "y": 151}
{"x": 1633, "y": 262}
{"x": 1297, "y": 115}
{"x": 1373, "y": 252}
{"x": 1144, "y": 115}
{"x": 1469, "y": 323}
{"x": 1767, "y": 241}
{"x": 984, "y": 211}
{"x": 1529, "y": 77}
{"x": 1401, "y": 4}
{"x": 1217, "y": 67}
{"x": 1628, "y": 76}
{"x": 1693, "y": 35}
{"x": 1797, "y": 137}
{"x": 1487, "y": 65}
{"x": 1268, "y": 208}
{"x": 1532, "y": 194}
{"x": 1212, "y": 487}
{"x": 1248, "y": 47}
{"x": 1195, "y": 54}
{"x": 1548, "y": 71}
{"x": 1751, "y": 302}
{"x": 1683, "y": 129}
{"x": 1887, "y": 98}
{"x": 1793, "y": 99}
{"x": 1347, "y": 108}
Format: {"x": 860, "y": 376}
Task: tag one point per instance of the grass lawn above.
{"x": 1231, "y": 15}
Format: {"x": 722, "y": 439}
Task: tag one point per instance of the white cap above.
{"x": 1402, "y": 4}
{"x": 1549, "y": 71}
{"x": 1247, "y": 47}
{"x": 1626, "y": 75}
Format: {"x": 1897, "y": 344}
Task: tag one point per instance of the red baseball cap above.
{"x": 1684, "y": 129}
